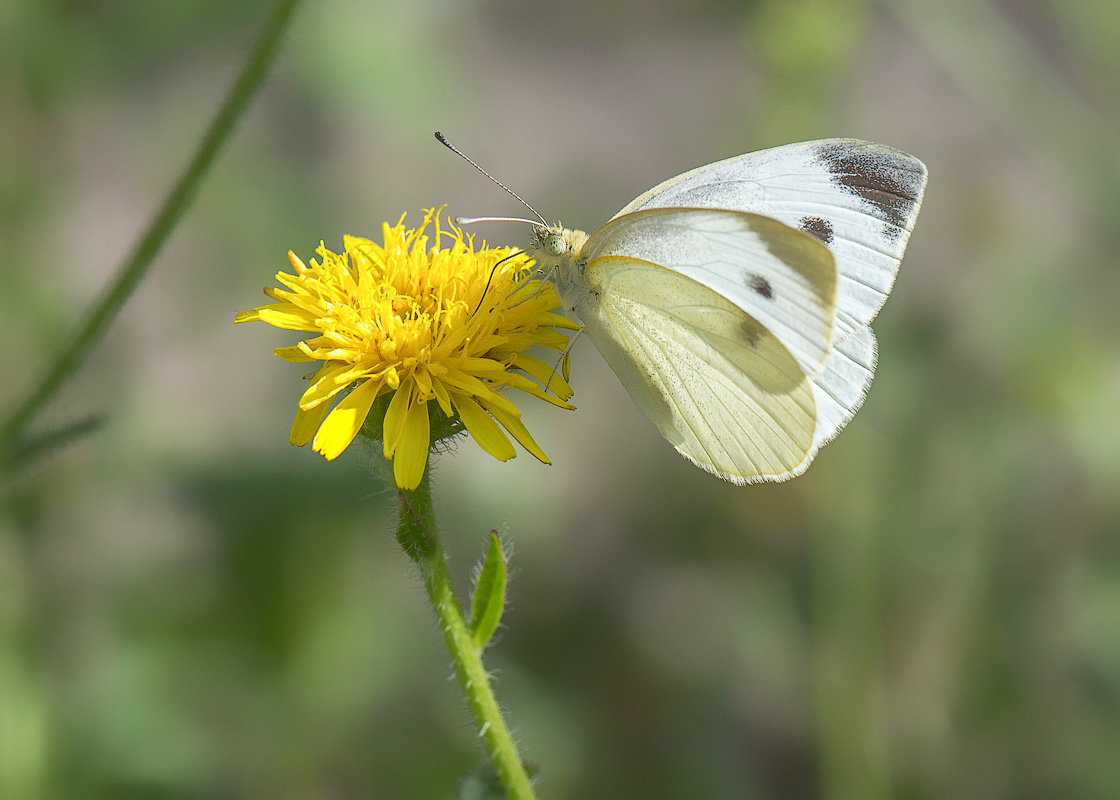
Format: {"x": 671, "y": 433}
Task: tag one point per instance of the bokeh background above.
{"x": 191, "y": 608}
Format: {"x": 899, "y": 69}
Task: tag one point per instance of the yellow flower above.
{"x": 418, "y": 319}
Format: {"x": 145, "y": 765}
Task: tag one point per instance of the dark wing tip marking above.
{"x": 888, "y": 181}
{"x": 816, "y": 226}
{"x": 760, "y": 285}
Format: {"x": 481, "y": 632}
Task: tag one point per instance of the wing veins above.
{"x": 645, "y": 342}
{"x": 759, "y": 413}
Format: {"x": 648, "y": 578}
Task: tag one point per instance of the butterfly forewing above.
{"x": 839, "y": 389}
{"x": 719, "y": 386}
{"x": 782, "y": 278}
{"x": 859, "y": 198}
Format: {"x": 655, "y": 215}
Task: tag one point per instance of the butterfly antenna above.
{"x": 444, "y": 141}
{"x": 473, "y": 220}
{"x": 489, "y": 280}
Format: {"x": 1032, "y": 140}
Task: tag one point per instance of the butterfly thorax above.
{"x": 557, "y": 250}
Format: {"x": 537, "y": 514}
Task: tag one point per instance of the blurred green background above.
{"x": 191, "y": 608}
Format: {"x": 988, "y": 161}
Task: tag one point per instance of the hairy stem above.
{"x": 419, "y": 537}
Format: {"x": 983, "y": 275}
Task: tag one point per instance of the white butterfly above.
{"x": 734, "y": 301}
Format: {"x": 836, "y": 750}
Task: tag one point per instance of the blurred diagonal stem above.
{"x": 419, "y": 536}
{"x": 98, "y": 318}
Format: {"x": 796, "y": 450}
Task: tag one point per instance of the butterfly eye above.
{"x": 555, "y": 245}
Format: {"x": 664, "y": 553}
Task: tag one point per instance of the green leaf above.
{"x": 19, "y": 454}
{"x": 489, "y": 598}
{"x": 482, "y": 784}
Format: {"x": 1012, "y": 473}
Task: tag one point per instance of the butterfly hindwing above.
{"x": 719, "y": 386}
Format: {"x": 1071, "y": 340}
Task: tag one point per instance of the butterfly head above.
{"x": 556, "y": 250}
{"x": 556, "y": 244}
{"x": 553, "y": 243}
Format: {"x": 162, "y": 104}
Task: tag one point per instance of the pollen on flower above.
{"x": 422, "y": 318}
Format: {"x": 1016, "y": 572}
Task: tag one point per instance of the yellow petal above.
{"x": 289, "y": 317}
{"x": 423, "y": 382}
{"x": 344, "y": 422}
{"x": 519, "y": 432}
{"x": 530, "y": 387}
{"x": 412, "y": 447}
{"x": 482, "y": 366}
{"x": 293, "y": 282}
{"x": 306, "y": 423}
{"x": 558, "y": 321}
{"x": 484, "y": 430}
{"x": 547, "y": 337}
{"x": 442, "y": 397}
{"x": 395, "y": 416}
{"x": 294, "y": 353}
{"x": 462, "y": 383}
{"x": 503, "y": 402}
{"x": 325, "y": 384}
{"x": 532, "y": 365}
{"x": 361, "y": 243}
{"x": 296, "y": 262}
{"x": 277, "y": 294}
{"x": 544, "y": 373}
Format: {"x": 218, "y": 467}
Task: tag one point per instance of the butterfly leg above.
{"x": 545, "y": 276}
{"x": 564, "y": 362}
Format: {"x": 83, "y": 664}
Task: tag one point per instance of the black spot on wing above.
{"x": 811, "y": 261}
{"x": 760, "y": 285}
{"x": 751, "y": 332}
{"x": 887, "y": 181}
{"x": 821, "y": 228}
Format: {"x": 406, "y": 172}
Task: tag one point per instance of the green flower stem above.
{"x": 101, "y": 314}
{"x": 419, "y": 537}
